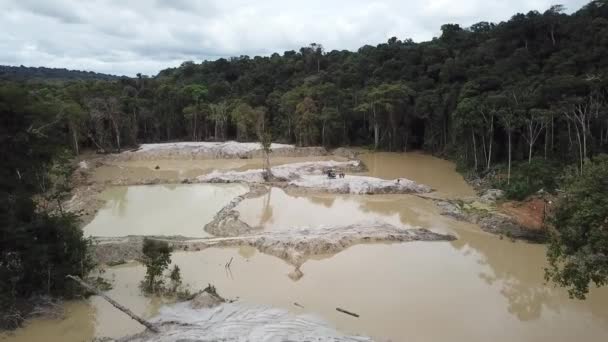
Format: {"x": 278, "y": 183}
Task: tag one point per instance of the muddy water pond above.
{"x": 279, "y": 210}
{"x": 160, "y": 209}
{"x": 476, "y": 288}
{"x": 175, "y": 169}
{"x": 473, "y": 290}
{"x": 437, "y": 173}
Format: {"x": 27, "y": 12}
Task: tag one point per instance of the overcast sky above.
{"x": 125, "y": 37}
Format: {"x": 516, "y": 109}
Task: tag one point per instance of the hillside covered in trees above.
{"x": 23, "y": 73}
{"x": 532, "y": 86}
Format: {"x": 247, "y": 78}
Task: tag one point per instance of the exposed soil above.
{"x": 213, "y": 150}
{"x": 530, "y": 213}
{"x": 490, "y": 220}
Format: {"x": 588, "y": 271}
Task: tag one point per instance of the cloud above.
{"x": 127, "y": 37}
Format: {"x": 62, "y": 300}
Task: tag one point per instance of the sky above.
{"x": 125, "y": 37}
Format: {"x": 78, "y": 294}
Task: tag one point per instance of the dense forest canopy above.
{"x": 531, "y": 88}
{"x": 23, "y": 73}
{"x": 534, "y": 85}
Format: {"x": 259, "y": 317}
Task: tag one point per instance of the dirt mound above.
{"x": 491, "y": 220}
{"x": 345, "y": 152}
{"x": 237, "y": 322}
{"x": 282, "y": 172}
{"x": 213, "y": 150}
{"x": 358, "y": 185}
{"x": 296, "y": 245}
{"x": 530, "y": 213}
{"x": 226, "y": 222}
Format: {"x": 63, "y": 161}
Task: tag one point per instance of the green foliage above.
{"x": 156, "y": 258}
{"x": 578, "y": 249}
{"x": 176, "y": 278}
{"x": 42, "y": 73}
{"x": 527, "y": 179}
{"x": 38, "y": 246}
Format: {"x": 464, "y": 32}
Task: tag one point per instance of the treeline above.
{"x": 532, "y": 86}
{"x": 23, "y": 73}
{"x": 39, "y": 243}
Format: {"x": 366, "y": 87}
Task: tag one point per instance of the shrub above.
{"x": 527, "y": 179}
{"x": 578, "y": 248}
{"x": 157, "y": 257}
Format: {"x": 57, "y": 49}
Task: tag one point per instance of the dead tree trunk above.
{"x": 114, "y": 303}
{"x": 474, "y": 150}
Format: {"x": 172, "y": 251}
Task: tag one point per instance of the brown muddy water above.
{"x": 160, "y": 209}
{"x": 437, "y": 173}
{"x": 476, "y": 288}
{"x": 174, "y": 170}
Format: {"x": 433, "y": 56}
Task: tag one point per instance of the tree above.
{"x": 75, "y": 117}
{"x": 156, "y": 258}
{"x": 384, "y": 99}
{"x": 244, "y": 117}
{"x": 39, "y": 246}
{"x": 219, "y": 115}
{"x": 106, "y": 107}
{"x": 578, "y": 249}
{"x": 306, "y": 113}
{"x": 196, "y": 93}
{"x": 176, "y": 278}
{"x": 553, "y": 15}
{"x": 265, "y": 138}
{"x": 534, "y": 123}
{"x": 579, "y": 112}
{"x": 509, "y": 119}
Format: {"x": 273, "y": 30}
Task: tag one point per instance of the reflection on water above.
{"x": 160, "y": 209}
{"x": 476, "y": 288}
{"x": 279, "y": 210}
{"x": 406, "y": 292}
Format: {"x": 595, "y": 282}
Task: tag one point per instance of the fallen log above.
{"x": 114, "y": 303}
{"x": 347, "y": 312}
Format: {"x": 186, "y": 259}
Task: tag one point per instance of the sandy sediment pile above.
{"x": 226, "y": 222}
{"x": 282, "y": 172}
{"x": 237, "y": 322}
{"x": 213, "y": 150}
{"x": 294, "y": 245}
{"x": 358, "y": 185}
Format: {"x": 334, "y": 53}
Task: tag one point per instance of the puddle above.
{"x": 160, "y": 209}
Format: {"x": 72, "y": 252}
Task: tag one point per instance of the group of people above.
{"x": 331, "y": 174}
